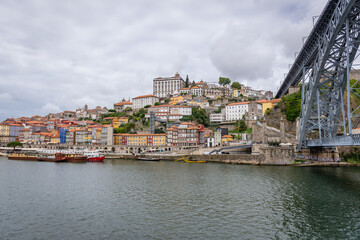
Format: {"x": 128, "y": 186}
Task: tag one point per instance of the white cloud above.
{"x": 5, "y": 97}
{"x": 97, "y": 52}
{"x": 50, "y": 108}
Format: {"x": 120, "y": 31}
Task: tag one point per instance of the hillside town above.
{"x": 178, "y": 114}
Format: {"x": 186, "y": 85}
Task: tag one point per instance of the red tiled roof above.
{"x": 123, "y": 103}
{"x": 145, "y": 96}
{"x": 239, "y": 103}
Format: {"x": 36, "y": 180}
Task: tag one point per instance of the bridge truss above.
{"x": 323, "y": 67}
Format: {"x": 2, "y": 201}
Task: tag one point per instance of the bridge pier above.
{"x": 319, "y": 154}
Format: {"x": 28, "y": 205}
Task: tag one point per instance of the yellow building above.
{"x": 118, "y": 139}
{"x": 55, "y": 139}
{"x": 4, "y": 133}
{"x": 268, "y": 104}
{"x": 226, "y": 139}
{"x": 116, "y": 122}
{"x": 140, "y": 139}
{"x": 176, "y": 99}
{"x": 236, "y": 93}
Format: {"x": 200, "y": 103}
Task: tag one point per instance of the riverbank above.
{"x": 240, "y": 159}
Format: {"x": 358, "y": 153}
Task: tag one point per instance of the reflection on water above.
{"x": 130, "y": 199}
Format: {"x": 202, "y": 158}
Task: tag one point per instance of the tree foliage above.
{"x": 14, "y": 144}
{"x": 198, "y": 115}
{"x": 125, "y": 128}
{"x": 241, "y": 126}
{"x": 139, "y": 115}
{"x": 292, "y": 106}
{"x": 156, "y": 104}
{"x": 224, "y": 81}
{"x": 187, "y": 81}
{"x": 159, "y": 130}
{"x": 112, "y": 114}
{"x": 236, "y": 85}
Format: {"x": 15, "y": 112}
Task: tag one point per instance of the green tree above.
{"x": 198, "y": 115}
{"x": 159, "y": 130}
{"x": 156, "y": 104}
{"x": 236, "y": 85}
{"x": 112, "y": 110}
{"x": 14, "y": 144}
{"x": 128, "y": 109}
{"x": 292, "y": 106}
{"x": 241, "y": 126}
{"x": 147, "y": 106}
{"x": 187, "y": 81}
{"x": 193, "y": 84}
{"x": 224, "y": 81}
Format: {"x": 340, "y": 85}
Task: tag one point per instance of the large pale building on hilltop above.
{"x": 164, "y": 87}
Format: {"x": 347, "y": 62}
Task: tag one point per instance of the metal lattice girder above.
{"x": 351, "y": 140}
{"x": 323, "y": 99}
{"x": 308, "y": 52}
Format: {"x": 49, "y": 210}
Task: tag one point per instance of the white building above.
{"x": 120, "y": 106}
{"x": 236, "y": 111}
{"x": 142, "y": 101}
{"x": 182, "y": 110}
{"x": 197, "y": 91}
{"x": 164, "y": 87}
{"x": 168, "y": 112}
{"x": 217, "y": 117}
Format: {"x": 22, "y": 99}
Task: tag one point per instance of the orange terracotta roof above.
{"x": 141, "y": 135}
{"x": 262, "y": 101}
{"x": 145, "y": 96}
{"x": 275, "y": 100}
{"x": 227, "y": 136}
{"x": 177, "y": 106}
{"x": 123, "y": 103}
{"x": 239, "y": 103}
{"x": 160, "y": 106}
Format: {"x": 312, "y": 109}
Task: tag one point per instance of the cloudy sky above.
{"x": 61, "y": 55}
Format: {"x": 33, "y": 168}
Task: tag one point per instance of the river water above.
{"x": 127, "y": 199}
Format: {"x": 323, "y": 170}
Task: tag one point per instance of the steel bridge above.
{"x": 322, "y": 68}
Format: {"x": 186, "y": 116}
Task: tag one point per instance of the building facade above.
{"x": 236, "y": 111}
{"x": 164, "y": 87}
{"x": 120, "y": 106}
{"x": 142, "y": 101}
{"x": 146, "y": 140}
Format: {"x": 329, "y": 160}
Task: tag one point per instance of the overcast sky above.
{"x": 61, "y": 55}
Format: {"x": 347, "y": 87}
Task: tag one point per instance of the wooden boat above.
{"x": 191, "y": 160}
{"x": 195, "y": 161}
{"x": 57, "y": 157}
{"x": 182, "y": 159}
{"x": 76, "y": 158}
{"x": 22, "y": 156}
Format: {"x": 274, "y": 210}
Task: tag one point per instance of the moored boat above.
{"x": 58, "y": 157}
{"x": 22, "y": 156}
{"x": 94, "y": 156}
{"x": 76, "y": 158}
{"x": 194, "y": 161}
{"x": 96, "y": 159}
